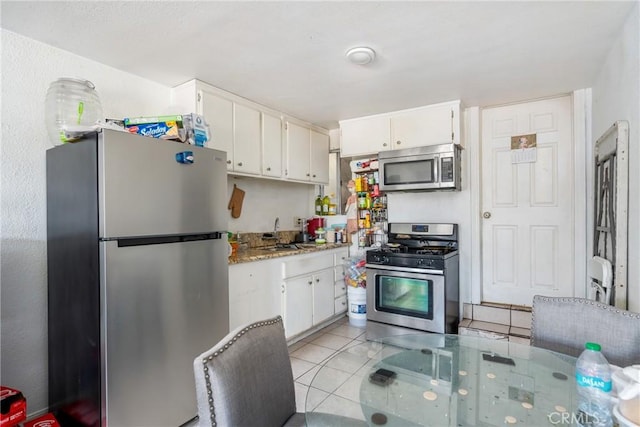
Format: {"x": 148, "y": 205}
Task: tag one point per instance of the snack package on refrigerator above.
{"x": 197, "y": 130}
{"x": 14, "y": 407}
{"x": 163, "y": 127}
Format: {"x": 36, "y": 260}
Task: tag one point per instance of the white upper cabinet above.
{"x": 252, "y": 135}
{"x": 307, "y": 154}
{"x": 429, "y": 125}
{"x": 246, "y": 141}
{"x": 424, "y": 126}
{"x": 218, "y": 113}
{"x": 364, "y": 136}
{"x": 271, "y": 145}
{"x": 298, "y": 153}
{"x": 319, "y": 161}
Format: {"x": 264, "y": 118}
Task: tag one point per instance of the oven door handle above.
{"x": 404, "y": 269}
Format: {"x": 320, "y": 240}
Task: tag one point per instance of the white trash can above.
{"x": 357, "y": 303}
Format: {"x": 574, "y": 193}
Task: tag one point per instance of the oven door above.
{"x": 408, "y": 297}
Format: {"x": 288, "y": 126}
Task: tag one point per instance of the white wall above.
{"x": 264, "y": 200}
{"x": 616, "y": 96}
{"x": 28, "y": 67}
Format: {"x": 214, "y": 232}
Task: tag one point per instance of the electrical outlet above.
{"x": 297, "y": 221}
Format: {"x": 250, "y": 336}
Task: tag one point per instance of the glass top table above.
{"x": 443, "y": 380}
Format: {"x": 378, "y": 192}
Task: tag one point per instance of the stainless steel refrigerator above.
{"x": 137, "y": 277}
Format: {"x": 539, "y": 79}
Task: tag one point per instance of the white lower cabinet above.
{"x": 323, "y": 295}
{"x": 340, "y": 304}
{"x": 309, "y": 285}
{"x": 298, "y": 301}
{"x": 255, "y": 292}
{"x": 339, "y": 290}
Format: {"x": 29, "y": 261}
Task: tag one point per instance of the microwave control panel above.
{"x": 446, "y": 169}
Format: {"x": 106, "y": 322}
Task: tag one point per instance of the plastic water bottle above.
{"x": 593, "y": 379}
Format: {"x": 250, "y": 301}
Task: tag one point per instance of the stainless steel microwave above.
{"x": 430, "y": 168}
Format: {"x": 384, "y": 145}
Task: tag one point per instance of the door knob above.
{"x": 486, "y": 215}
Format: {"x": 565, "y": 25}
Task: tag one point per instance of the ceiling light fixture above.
{"x": 361, "y": 55}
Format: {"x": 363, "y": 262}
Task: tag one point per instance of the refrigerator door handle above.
{"x": 161, "y": 240}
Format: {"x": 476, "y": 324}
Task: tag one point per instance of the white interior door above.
{"x": 527, "y": 208}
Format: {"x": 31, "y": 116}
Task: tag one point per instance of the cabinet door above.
{"x": 246, "y": 142}
{"x": 298, "y": 303}
{"x": 319, "y": 157}
{"x": 364, "y": 136}
{"x": 340, "y": 304}
{"x": 271, "y": 145}
{"x": 218, "y": 113}
{"x": 298, "y": 153}
{"x": 252, "y": 296}
{"x": 426, "y": 126}
{"x": 323, "y": 295}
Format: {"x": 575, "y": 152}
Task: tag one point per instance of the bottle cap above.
{"x": 592, "y": 346}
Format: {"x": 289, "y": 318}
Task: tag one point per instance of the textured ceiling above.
{"x": 290, "y": 55}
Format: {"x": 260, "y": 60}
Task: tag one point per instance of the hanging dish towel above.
{"x": 235, "y": 203}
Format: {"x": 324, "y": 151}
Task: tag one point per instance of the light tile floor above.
{"x": 341, "y": 375}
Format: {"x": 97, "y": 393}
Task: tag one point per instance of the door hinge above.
{"x": 199, "y": 97}
{"x": 452, "y": 114}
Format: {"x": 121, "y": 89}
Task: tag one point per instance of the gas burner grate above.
{"x": 433, "y": 251}
{"x": 394, "y": 249}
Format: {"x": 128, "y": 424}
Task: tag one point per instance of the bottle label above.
{"x": 595, "y": 382}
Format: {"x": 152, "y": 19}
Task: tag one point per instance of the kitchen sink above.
{"x": 280, "y": 247}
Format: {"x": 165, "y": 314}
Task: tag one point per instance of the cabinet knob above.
{"x": 398, "y": 142}
{"x": 308, "y": 174}
{"x": 239, "y": 163}
{"x": 344, "y": 303}
{"x": 486, "y": 215}
{"x": 310, "y": 282}
{"x": 268, "y": 169}
{"x": 317, "y": 280}
{"x": 228, "y": 162}
{"x": 314, "y": 175}
{"x": 384, "y": 144}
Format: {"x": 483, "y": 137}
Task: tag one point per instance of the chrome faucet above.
{"x": 276, "y": 225}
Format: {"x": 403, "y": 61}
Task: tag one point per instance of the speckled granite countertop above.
{"x": 257, "y": 254}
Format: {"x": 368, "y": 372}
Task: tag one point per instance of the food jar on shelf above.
{"x": 72, "y": 109}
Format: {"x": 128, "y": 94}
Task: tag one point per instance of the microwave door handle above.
{"x": 436, "y": 171}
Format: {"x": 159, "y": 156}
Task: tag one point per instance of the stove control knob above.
{"x": 385, "y": 260}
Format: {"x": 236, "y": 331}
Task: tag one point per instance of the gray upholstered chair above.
{"x": 566, "y": 324}
{"x": 246, "y": 379}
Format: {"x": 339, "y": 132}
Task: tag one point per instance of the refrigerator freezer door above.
{"x": 162, "y": 305}
{"x": 146, "y": 191}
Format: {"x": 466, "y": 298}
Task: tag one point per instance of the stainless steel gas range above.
{"x": 412, "y": 281}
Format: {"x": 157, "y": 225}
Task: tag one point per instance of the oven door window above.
{"x": 406, "y": 296}
{"x": 410, "y": 172}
